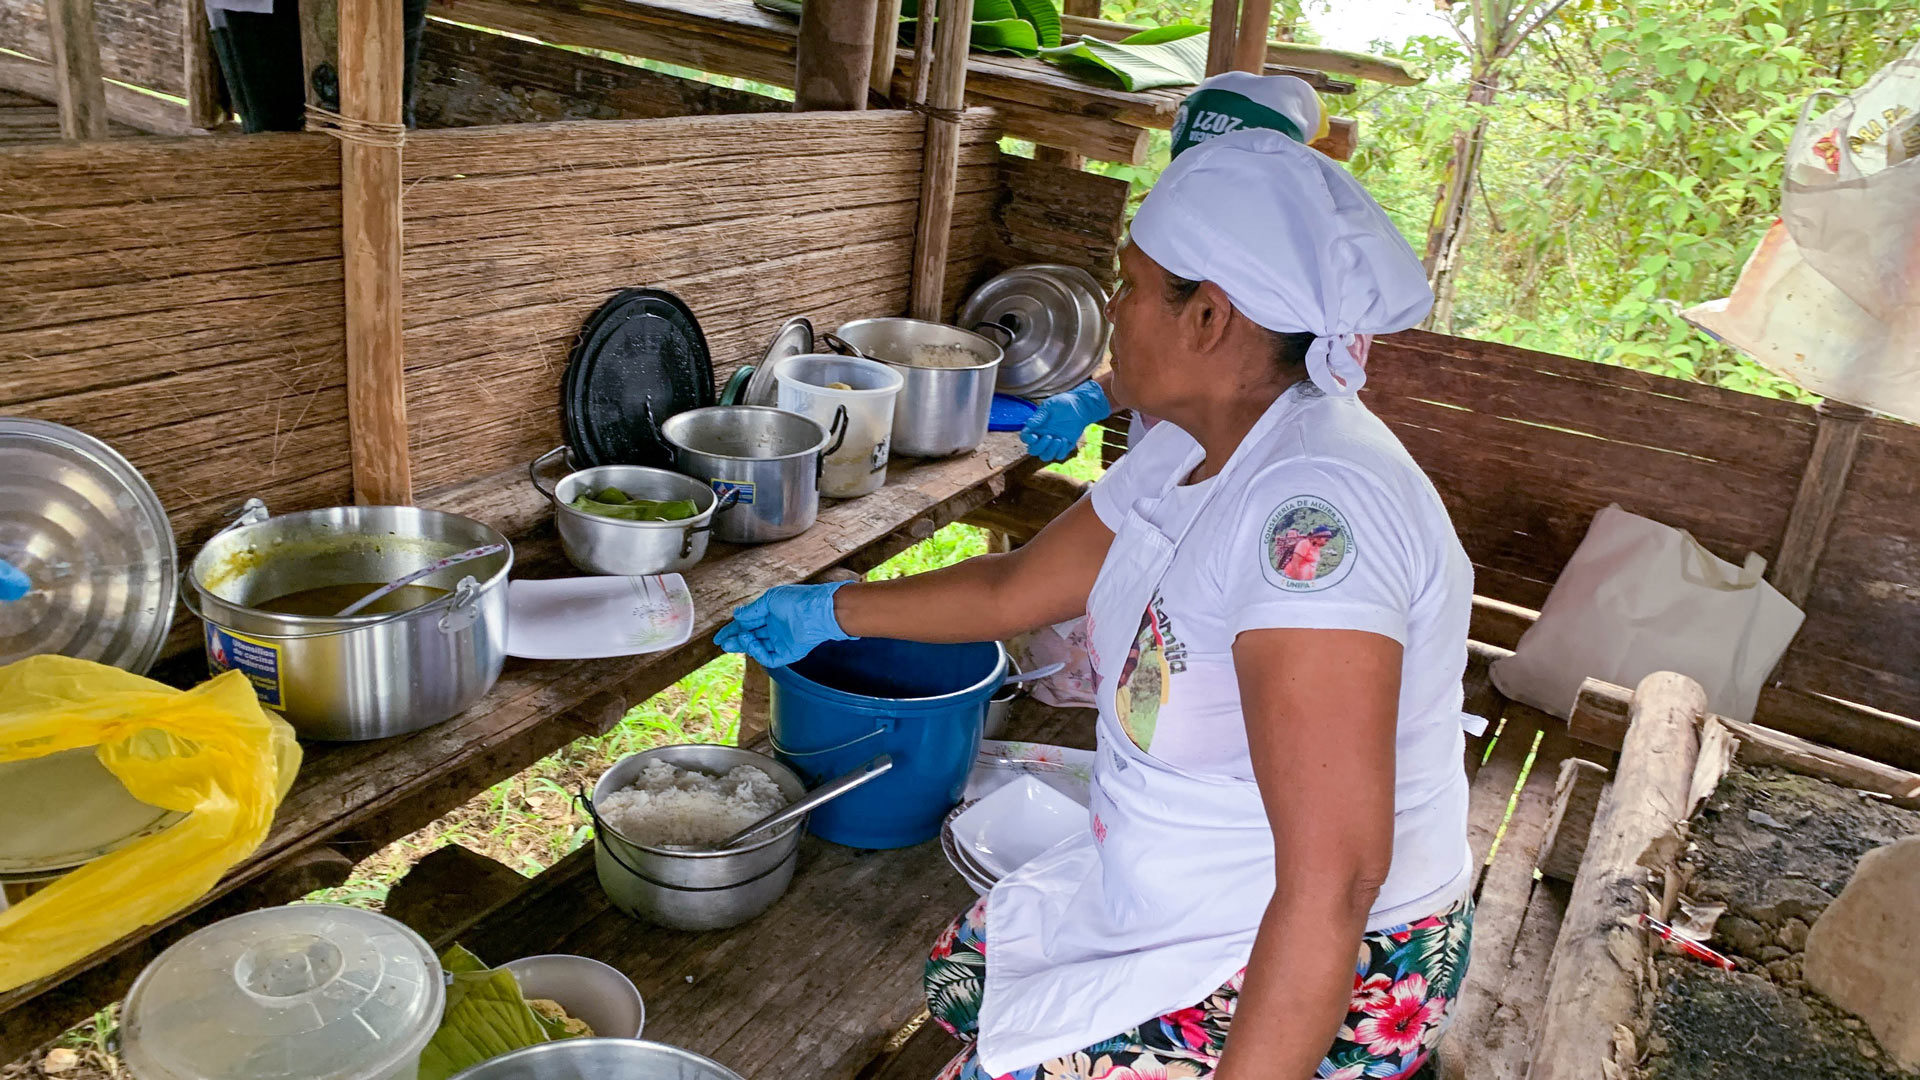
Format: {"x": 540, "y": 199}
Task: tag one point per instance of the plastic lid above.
{"x": 309, "y": 991}
{"x": 1009, "y": 413}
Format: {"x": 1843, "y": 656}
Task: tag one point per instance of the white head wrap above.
{"x": 1295, "y": 242}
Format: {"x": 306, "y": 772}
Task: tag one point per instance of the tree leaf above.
{"x": 1044, "y": 17}
{"x": 1164, "y": 56}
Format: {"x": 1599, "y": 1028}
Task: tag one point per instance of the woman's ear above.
{"x": 1208, "y": 315}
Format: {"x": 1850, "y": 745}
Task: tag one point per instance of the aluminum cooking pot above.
{"x": 367, "y": 676}
{"x": 599, "y": 1059}
{"x": 941, "y": 410}
{"x": 768, "y": 460}
{"x": 604, "y": 545}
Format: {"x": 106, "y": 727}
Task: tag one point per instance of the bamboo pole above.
{"x": 946, "y": 99}
{"x": 886, "y": 44}
{"x": 371, "y": 73}
{"x": 76, "y": 69}
{"x": 1599, "y": 959}
{"x": 1250, "y": 39}
{"x": 1222, "y": 23}
{"x": 833, "y": 62}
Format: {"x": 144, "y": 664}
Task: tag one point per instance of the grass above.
{"x": 533, "y": 820}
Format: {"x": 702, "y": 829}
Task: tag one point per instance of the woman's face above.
{"x": 1147, "y": 343}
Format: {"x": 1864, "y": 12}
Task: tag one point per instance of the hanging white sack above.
{"x": 1639, "y": 597}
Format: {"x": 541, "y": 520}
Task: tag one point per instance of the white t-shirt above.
{"x": 1332, "y": 527}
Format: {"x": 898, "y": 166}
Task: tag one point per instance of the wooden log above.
{"x": 206, "y": 97}
{"x": 946, "y": 98}
{"x": 1341, "y": 139}
{"x": 372, "y": 66}
{"x": 1223, "y": 20}
{"x": 1600, "y": 958}
{"x": 1576, "y": 798}
{"x": 76, "y": 64}
{"x": 886, "y": 46}
{"x": 1822, "y": 485}
{"x": 125, "y": 105}
{"x": 320, "y": 51}
{"x": 1250, "y": 37}
{"x": 447, "y": 890}
{"x": 833, "y": 63}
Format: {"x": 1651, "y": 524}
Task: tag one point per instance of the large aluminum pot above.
{"x": 604, "y": 545}
{"x": 767, "y": 460}
{"x": 941, "y": 410}
{"x": 368, "y": 676}
{"x": 690, "y": 889}
{"x": 599, "y": 1059}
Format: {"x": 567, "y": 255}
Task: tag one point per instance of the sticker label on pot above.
{"x": 745, "y": 490}
{"x": 259, "y": 661}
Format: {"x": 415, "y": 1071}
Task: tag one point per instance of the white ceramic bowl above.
{"x": 588, "y": 989}
{"x": 1014, "y": 824}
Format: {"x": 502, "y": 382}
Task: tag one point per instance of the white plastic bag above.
{"x": 1639, "y": 597}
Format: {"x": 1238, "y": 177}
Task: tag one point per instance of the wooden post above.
{"x": 1250, "y": 40}
{"x": 886, "y": 43}
{"x": 371, "y": 72}
{"x": 320, "y": 51}
{"x": 946, "y": 99}
{"x": 205, "y": 108}
{"x": 834, "y": 62}
{"x": 1593, "y": 981}
{"x": 1822, "y": 484}
{"x": 1050, "y": 155}
{"x": 756, "y": 703}
{"x": 76, "y": 69}
{"x": 1222, "y": 23}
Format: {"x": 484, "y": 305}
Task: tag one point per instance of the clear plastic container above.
{"x": 304, "y": 992}
{"x": 820, "y": 384}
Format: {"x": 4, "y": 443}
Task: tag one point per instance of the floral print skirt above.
{"x": 1405, "y": 981}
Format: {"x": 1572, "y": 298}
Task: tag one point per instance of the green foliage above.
{"x": 1162, "y": 56}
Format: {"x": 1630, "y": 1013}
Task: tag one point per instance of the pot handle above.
{"x": 600, "y": 826}
{"x": 886, "y": 726}
{"x": 465, "y": 609}
{"x": 537, "y": 465}
{"x": 841, "y": 345}
{"x": 723, "y": 503}
{"x": 997, "y": 328}
{"x": 838, "y": 431}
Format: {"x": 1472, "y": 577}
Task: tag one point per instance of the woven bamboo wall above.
{"x": 181, "y": 299}
{"x": 515, "y": 234}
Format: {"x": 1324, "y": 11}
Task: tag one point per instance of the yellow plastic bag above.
{"x": 211, "y": 752}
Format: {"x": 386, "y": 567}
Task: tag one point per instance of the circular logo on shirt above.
{"x": 1306, "y": 545}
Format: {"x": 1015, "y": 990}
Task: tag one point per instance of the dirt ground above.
{"x": 1775, "y": 847}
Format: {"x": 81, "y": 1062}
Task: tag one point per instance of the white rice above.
{"x": 943, "y": 356}
{"x": 669, "y": 806}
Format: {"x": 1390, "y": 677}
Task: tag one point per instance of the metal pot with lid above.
{"x": 269, "y": 589}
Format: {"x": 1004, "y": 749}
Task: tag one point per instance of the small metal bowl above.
{"x": 604, "y": 545}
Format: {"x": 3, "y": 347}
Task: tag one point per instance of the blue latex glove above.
{"x": 13, "y": 582}
{"x": 1052, "y": 433}
{"x": 785, "y": 624}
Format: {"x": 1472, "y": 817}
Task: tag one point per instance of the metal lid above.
{"x": 794, "y": 338}
{"x": 94, "y": 543}
{"x": 304, "y": 992}
{"x": 640, "y": 359}
{"x": 1056, "y": 317}
{"x": 64, "y": 810}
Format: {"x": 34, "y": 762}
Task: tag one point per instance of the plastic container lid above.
{"x": 1009, "y": 413}
{"x": 308, "y": 991}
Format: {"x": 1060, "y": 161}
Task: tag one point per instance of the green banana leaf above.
{"x": 486, "y": 1016}
{"x": 1164, "y": 56}
{"x": 1015, "y": 27}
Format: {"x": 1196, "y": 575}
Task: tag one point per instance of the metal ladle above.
{"x": 812, "y": 800}
{"x": 407, "y": 579}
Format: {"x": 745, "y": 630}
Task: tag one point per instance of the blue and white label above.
{"x": 743, "y": 490}
{"x": 259, "y": 661}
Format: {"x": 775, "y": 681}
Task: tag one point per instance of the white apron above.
{"x": 1136, "y": 918}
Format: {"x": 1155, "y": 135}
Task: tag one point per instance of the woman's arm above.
{"x": 989, "y": 597}
{"x": 1321, "y": 708}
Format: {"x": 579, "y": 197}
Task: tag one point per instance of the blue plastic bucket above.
{"x": 850, "y": 701}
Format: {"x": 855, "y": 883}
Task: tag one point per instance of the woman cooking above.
{"x": 1273, "y": 882}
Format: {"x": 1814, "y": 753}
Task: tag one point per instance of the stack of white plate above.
{"x": 991, "y": 837}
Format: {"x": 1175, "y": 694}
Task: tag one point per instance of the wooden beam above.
{"x": 1341, "y": 139}
{"x": 1576, "y": 799}
{"x": 886, "y": 46}
{"x": 1600, "y": 716}
{"x": 320, "y": 51}
{"x": 1593, "y": 982}
{"x": 1223, "y": 20}
{"x": 946, "y": 98}
{"x": 1029, "y": 505}
{"x": 833, "y": 63}
{"x": 371, "y": 71}
{"x": 76, "y": 65}
{"x": 1822, "y": 485}
{"x": 1249, "y": 39}
{"x": 125, "y": 105}
{"x": 206, "y": 104}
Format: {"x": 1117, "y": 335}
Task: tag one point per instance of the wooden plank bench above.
{"x": 352, "y": 798}
{"x": 825, "y": 985}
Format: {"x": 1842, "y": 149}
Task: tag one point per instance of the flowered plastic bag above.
{"x": 211, "y": 752}
{"x": 1066, "y": 643}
